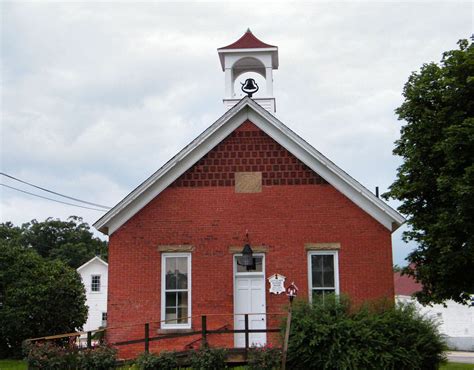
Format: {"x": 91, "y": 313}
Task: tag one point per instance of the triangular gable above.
{"x": 248, "y": 149}
{"x": 247, "y": 109}
{"x": 96, "y": 258}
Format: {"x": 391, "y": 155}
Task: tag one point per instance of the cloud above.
{"x": 97, "y": 96}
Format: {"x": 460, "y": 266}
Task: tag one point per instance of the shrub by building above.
{"x": 337, "y": 335}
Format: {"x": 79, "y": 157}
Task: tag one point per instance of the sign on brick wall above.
{"x": 277, "y": 283}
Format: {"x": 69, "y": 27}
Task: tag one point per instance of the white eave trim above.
{"x": 274, "y": 50}
{"x": 96, "y": 258}
{"x": 252, "y": 50}
{"x": 232, "y": 119}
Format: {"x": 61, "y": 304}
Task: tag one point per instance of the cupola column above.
{"x": 229, "y": 88}
{"x": 269, "y": 80}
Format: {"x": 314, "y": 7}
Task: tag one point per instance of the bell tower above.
{"x": 249, "y": 54}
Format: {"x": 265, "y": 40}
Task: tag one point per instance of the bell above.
{"x": 247, "y": 257}
{"x": 249, "y": 87}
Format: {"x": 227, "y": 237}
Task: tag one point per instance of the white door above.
{"x": 249, "y": 298}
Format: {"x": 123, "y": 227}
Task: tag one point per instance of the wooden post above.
{"x": 147, "y": 337}
{"x": 287, "y": 335}
{"x": 204, "y": 331}
{"x": 89, "y": 339}
{"x": 246, "y": 331}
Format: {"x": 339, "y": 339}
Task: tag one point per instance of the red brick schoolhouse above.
{"x": 176, "y": 241}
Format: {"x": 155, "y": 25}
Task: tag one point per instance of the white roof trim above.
{"x": 273, "y": 50}
{"x": 218, "y": 131}
{"x": 246, "y": 50}
{"x": 96, "y": 258}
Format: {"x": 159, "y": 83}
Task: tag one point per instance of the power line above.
{"x": 53, "y": 192}
{"x": 54, "y": 200}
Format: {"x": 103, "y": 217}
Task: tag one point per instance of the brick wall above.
{"x": 248, "y": 149}
{"x": 207, "y": 213}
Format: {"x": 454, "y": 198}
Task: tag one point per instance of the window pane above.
{"x": 257, "y": 265}
{"x": 170, "y": 299}
{"x": 183, "y": 315}
{"x": 182, "y": 265}
{"x": 171, "y": 315}
{"x": 328, "y": 270}
{"x": 170, "y": 273}
{"x": 317, "y": 270}
{"x": 322, "y": 269}
{"x": 176, "y": 273}
{"x": 182, "y": 307}
{"x": 182, "y": 280}
{"x": 95, "y": 283}
{"x": 182, "y": 298}
{"x": 319, "y": 294}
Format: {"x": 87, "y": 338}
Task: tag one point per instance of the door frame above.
{"x": 249, "y": 274}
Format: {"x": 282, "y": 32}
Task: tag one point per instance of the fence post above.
{"x": 246, "y": 331}
{"x": 287, "y": 335}
{"x": 89, "y": 339}
{"x": 204, "y": 330}
{"x": 147, "y": 337}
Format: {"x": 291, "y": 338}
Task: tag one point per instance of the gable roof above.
{"x": 247, "y": 41}
{"x": 96, "y": 258}
{"x": 247, "y": 109}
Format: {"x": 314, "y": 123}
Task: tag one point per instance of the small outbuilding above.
{"x": 94, "y": 275}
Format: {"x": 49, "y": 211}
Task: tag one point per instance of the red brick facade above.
{"x": 201, "y": 208}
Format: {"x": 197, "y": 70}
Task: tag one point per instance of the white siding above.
{"x": 96, "y": 301}
{"x": 456, "y": 321}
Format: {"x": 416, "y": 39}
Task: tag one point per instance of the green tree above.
{"x": 435, "y": 183}
{"x": 70, "y": 241}
{"x": 37, "y": 297}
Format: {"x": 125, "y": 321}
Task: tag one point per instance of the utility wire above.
{"x": 53, "y": 192}
{"x": 54, "y": 200}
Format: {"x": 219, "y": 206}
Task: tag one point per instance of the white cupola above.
{"x": 249, "y": 57}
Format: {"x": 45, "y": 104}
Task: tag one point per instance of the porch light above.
{"x": 247, "y": 257}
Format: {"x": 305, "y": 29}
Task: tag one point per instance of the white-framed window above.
{"x": 95, "y": 283}
{"x": 176, "y": 290}
{"x": 104, "y": 319}
{"x": 323, "y": 273}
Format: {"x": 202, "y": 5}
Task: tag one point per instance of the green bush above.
{"x": 163, "y": 361}
{"x": 50, "y": 356}
{"x": 334, "y": 335}
{"x": 264, "y": 358}
{"x": 208, "y": 359}
{"x": 97, "y": 358}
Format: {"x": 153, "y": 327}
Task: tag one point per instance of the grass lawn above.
{"x": 21, "y": 365}
{"x": 12, "y": 365}
{"x": 457, "y": 366}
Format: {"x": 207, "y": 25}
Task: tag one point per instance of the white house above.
{"x": 456, "y": 321}
{"x": 94, "y": 275}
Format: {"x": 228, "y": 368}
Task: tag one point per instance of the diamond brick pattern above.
{"x": 248, "y": 149}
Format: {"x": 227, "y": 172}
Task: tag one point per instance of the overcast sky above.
{"x": 95, "y": 97}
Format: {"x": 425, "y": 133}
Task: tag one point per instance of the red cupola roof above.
{"x": 248, "y": 41}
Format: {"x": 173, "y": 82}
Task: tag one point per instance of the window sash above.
{"x": 95, "y": 283}
{"x": 104, "y": 318}
{"x": 176, "y": 290}
{"x": 321, "y": 288}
